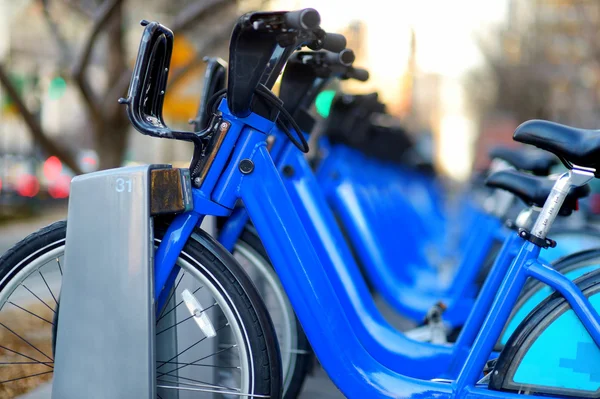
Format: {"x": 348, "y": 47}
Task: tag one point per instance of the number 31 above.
{"x": 122, "y": 184}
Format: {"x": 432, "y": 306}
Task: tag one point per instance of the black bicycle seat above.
{"x": 531, "y": 160}
{"x": 578, "y": 146}
{"x": 534, "y": 190}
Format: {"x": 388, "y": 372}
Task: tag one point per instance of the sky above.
{"x": 446, "y": 32}
{"x": 444, "y": 28}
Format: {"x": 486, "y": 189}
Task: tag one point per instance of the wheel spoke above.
{"x": 38, "y": 298}
{"x": 197, "y": 383}
{"x": 25, "y": 356}
{"x": 187, "y": 349}
{"x": 196, "y": 361}
{"x": 203, "y": 365}
{"x": 175, "y": 325}
{"x": 59, "y": 268}
{"x": 186, "y": 319}
{"x": 27, "y": 342}
{"x": 29, "y": 376}
{"x": 31, "y": 313}
{"x": 176, "y": 306}
{"x": 213, "y": 391}
{"x": 13, "y": 363}
{"x": 47, "y": 286}
{"x": 170, "y": 296}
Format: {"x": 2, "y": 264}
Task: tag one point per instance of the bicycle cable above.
{"x": 266, "y": 95}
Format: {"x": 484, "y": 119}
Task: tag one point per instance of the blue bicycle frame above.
{"x": 386, "y": 344}
{"x": 413, "y": 300}
{"x": 331, "y": 332}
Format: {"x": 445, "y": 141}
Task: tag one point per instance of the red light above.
{"x": 28, "y": 186}
{"x": 52, "y": 168}
{"x": 89, "y": 161}
{"x": 60, "y": 188}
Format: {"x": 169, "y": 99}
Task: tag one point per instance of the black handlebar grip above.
{"x": 344, "y": 57}
{"x": 347, "y": 57}
{"x": 307, "y": 18}
{"x": 334, "y": 42}
{"x": 359, "y": 74}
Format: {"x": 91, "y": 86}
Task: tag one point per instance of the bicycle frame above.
{"x": 410, "y": 300}
{"x": 313, "y": 296}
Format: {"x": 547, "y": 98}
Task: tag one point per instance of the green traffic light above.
{"x": 323, "y": 102}
{"x": 57, "y": 88}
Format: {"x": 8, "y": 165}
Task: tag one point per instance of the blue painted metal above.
{"x": 390, "y": 347}
{"x": 332, "y": 332}
{"x": 502, "y": 305}
{"x": 232, "y": 229}
{"x": 579, "y": 303}
{"x": 538, "y": 297}
{"x": 485, "y": 300}
{"x": 571, "y": 365}
{"x": 331, "y": 335}
{"x": 168, "y": 251}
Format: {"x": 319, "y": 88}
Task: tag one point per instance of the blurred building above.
{"x": 549, "y": 66}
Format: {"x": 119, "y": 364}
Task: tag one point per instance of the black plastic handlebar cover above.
{"x": 260, "y": 46}
{"x": 334, "y": 42}
{"x": 360, "y": 74}
{"x": 343, "y": 58}
{"x": 307, "y": 19}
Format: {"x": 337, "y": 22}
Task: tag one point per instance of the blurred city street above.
{"x": 367, "y": 171}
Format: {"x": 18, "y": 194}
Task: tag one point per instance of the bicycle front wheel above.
{"x": 238, "y": 357}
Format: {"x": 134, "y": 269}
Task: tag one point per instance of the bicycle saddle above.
{"x": 534, "y": 190}
{"x": 531, "y": 160}
{"x": 578, "y": 146}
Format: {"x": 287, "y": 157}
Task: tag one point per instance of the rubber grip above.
{"x": 359, "y": 74}
{"x": 306, "y": 19}
{"x": 345, "y": 57}
{"x": 334, "y": 42}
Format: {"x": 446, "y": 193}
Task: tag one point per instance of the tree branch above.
{"x": 80, "y": 9}
{"x": 34, "y": 127}
{"x": 66, "y": 55}
{"x": 196, "y": 11}
{"x": 102, "y": 15}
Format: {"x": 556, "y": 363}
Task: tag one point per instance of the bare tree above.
{"x": 547, "y": 67}
{"x": 107, "y": 120}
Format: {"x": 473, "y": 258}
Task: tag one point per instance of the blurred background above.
{"x": 460, "y": 75}
{"x": 463, "y": 73}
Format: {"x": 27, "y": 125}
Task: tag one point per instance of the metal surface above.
{"x": 105, "y": 343}
{"x": 333, "y": 335}
{"x": 572, "y": 178}
{"x": 351, "y": 368}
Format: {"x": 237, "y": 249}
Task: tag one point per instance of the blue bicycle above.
{"x": 232, "y": 162}
{"x": 242, "y": 168}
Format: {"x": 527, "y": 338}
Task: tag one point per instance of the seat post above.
{"x": 573, "y": 178}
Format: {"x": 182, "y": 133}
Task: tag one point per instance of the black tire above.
{"x": 203, "y": 253}
{"x": 524, "y": 336}
{"x": 305, "y": 362}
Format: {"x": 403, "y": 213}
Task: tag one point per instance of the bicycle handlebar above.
{"x": 308, "y": 19}
{"x": 264, "y": 41}
{"x": 343, "y": 58}
{"x": 333, "y": 42}
{"x": 360, "y": 74}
